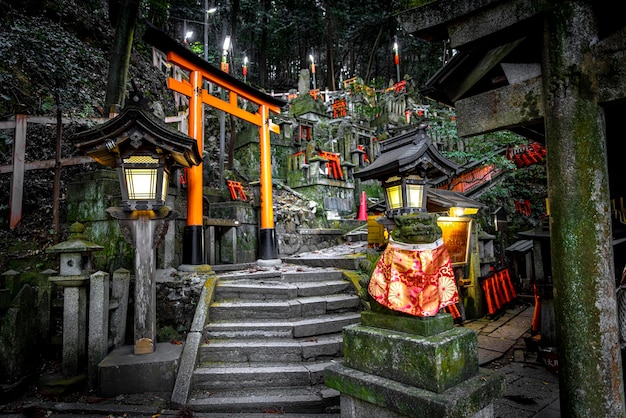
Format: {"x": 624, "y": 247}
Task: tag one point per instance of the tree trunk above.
{"x": 120, "y": 55}
{"x": 330, "y": 36}
{"x": 262, "y": 56}
{"x": 590, "y": 369}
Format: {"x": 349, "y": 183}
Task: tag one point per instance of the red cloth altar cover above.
{"x": 416, "y": 279}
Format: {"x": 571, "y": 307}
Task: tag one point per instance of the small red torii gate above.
{"x": 200, "y": 70}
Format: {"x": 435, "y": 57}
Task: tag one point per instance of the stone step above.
{"x": 269, "y": 337}
{"x": 319, "y": 401}
{"x": 341, "y": 262}
{"x": 282, "y": 309}
{"x": 270, "y": 350}
{"x": 303, "y": 327}
{"x": 292, "y": 275}
{"x": 220, "y": 376}
{"x": 268, "y": 290}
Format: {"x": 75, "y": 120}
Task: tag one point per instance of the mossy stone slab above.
{"x": 434, "y": 363}
{"x": 424, "y": 326}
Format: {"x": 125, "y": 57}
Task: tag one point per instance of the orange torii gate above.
{"x": 200, "y": 70}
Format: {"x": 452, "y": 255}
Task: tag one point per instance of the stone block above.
{"x": 91, "y": 193}
{"x": 411, "y": 325}
{"x": 122, "y": 372}
{"x": 244, "y": 212}
{"x": 471, "y": 398}
{"x": 434, "y": 363}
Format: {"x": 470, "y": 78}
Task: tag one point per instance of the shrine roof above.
{"x": 408, "y": 152}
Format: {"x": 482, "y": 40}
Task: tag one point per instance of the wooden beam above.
{"x": 504, "y": 108}
{"x": 39, "y": 165}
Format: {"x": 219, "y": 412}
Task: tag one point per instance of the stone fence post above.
{"x": 98, "y": 339}
{"x": 119, "y": 307}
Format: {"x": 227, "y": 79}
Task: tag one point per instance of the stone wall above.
{"x": 88, "y": 197}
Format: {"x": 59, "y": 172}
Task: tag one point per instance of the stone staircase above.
{"x": 269, "y": 336}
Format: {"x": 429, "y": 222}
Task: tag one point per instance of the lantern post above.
{"x": 144, "y": 151}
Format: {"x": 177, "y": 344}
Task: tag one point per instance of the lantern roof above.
{"x": 133, "y": 127}
{"x": 408, "y": 153}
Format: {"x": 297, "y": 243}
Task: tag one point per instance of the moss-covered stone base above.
{"x": 366, "y": 395}
{"x": 408, "y": 366}
{"x": 434, "y": 363}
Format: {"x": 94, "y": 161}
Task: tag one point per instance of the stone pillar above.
{"x": 98, "y": 341}
{"x": 167, "y": 252}
{"x": 119, "y": 296}
{"x": 590, "y": 366}
{"x": 74, "y": 325}
{"x": 44, "y": 304}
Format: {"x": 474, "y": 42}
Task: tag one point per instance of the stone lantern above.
{"x": 75, "y": 267}
{"x": 408, "y": 359}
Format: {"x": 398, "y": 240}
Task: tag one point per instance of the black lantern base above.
{"x": 267, "y": 244}
{"x": 193, "y": 245}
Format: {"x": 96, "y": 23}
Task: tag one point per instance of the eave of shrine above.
{"x": 494, "y": 79}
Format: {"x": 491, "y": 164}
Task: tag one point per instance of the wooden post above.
{"x": 267, "y": 246}
{"x": 17, "y": 178}
{"x": 193, "y": 236}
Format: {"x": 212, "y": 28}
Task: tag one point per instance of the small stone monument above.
{"x": 75, "y": 266}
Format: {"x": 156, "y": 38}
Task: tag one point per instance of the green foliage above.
{"x": 40, "y": 61}
{"x": 347, "y": 39}
{"x": 529, "y": 183}
{"x": 512, "y": 184}
{"x": 167, "y": 333}
{"x": 156, "y": 11}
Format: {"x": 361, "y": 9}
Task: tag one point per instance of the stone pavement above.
{"x": 531, "y": 390}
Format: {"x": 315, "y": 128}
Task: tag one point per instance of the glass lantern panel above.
{"x": 394, "y": 197}
{"x": 141, "y": 183}
{"x": 415, "y": 194}
{"x": 140, "y": 173}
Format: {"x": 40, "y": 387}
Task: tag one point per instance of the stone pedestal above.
{"x": 75, "y": 265}
{"x": 124, "y": 372}
{"x": 408, "y": 366}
